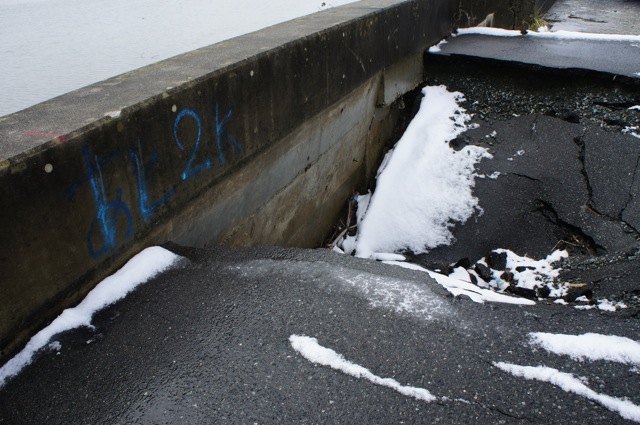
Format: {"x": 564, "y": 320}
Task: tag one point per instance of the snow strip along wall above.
{"x": 255, "y": 140}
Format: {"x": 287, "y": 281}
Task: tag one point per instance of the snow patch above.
{"x": 144, "y": 266}
{"x": 606, "y": 305}
{"x": 571, "y": 384}
{"x": 532, "y": 274}
{"x": 590, "y": 346}
{"x": 425, "y": 185}
{"x": 521, "y": 272}
{"x": 558, "y": 35}
{"x": 457, "y": 286}
{"x": 438, "y": 47}
{"x": 385, "y": 256}
{"x": 309, "y": 348}
{"x": 55, "y": 346}
{"x": 402, "y": 297}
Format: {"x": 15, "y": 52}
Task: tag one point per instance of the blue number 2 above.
{"x": 191, "y": 169}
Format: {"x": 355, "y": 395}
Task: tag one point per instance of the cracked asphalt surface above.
{"x": 564, "y": 167}
{"x": 559, "y": 185}
{"x": 208, "y": 343}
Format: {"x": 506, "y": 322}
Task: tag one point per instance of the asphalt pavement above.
{"x": 208, "y": 342}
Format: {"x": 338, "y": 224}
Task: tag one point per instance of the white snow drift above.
{"x": 558, "y": 35}
{"x": 425, "y": 185}
{"x": 314, "y": 352}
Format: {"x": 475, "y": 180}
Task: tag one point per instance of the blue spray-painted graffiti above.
{"x": 190, "y": 170}
{"x": 103, "y": 234}
{"x": 107, "y": 212}
{"x": 141, "y": 170}
{"x": 222, "y": 134}
{"x": 102, "y": 162}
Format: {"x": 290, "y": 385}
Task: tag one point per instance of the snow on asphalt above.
{"x": 144, "y": 266}
{"x": 590, "y": 346}
{"x": 423, "y": 188}
{"x": 462, "y": 287}
{"x": 315, "y": 353}
{"x": 571, "y": 384}
{"x": 414, "y": 206}
{"x": 558, "y": 35}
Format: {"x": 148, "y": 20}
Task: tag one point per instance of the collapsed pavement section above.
{"x": 564, "y": 172}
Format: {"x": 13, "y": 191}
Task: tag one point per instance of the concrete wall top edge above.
{"x": 55, "y": 119}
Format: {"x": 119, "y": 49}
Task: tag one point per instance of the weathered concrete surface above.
{"x": 208, "y": 343}
{"x": 243, "y": 142}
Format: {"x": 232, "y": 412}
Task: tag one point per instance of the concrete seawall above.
{"x": 256, "y": 140}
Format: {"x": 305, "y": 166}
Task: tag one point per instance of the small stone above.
{"x": 543, "y": 291}
{"x": 483, "y": 271}
{"x": 571, "y": 117}
{"x": 524, "y": 268}
{"x": 522, "y": 292}
{"x": 497, "y": 261}
{"x": 588, "y": 293}
{"x": 507, "y": 276}
{"x": 459, "y": 142}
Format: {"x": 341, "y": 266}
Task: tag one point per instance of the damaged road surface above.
{"x": 228, "y": 336}
{"x": 564, "y": 175}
